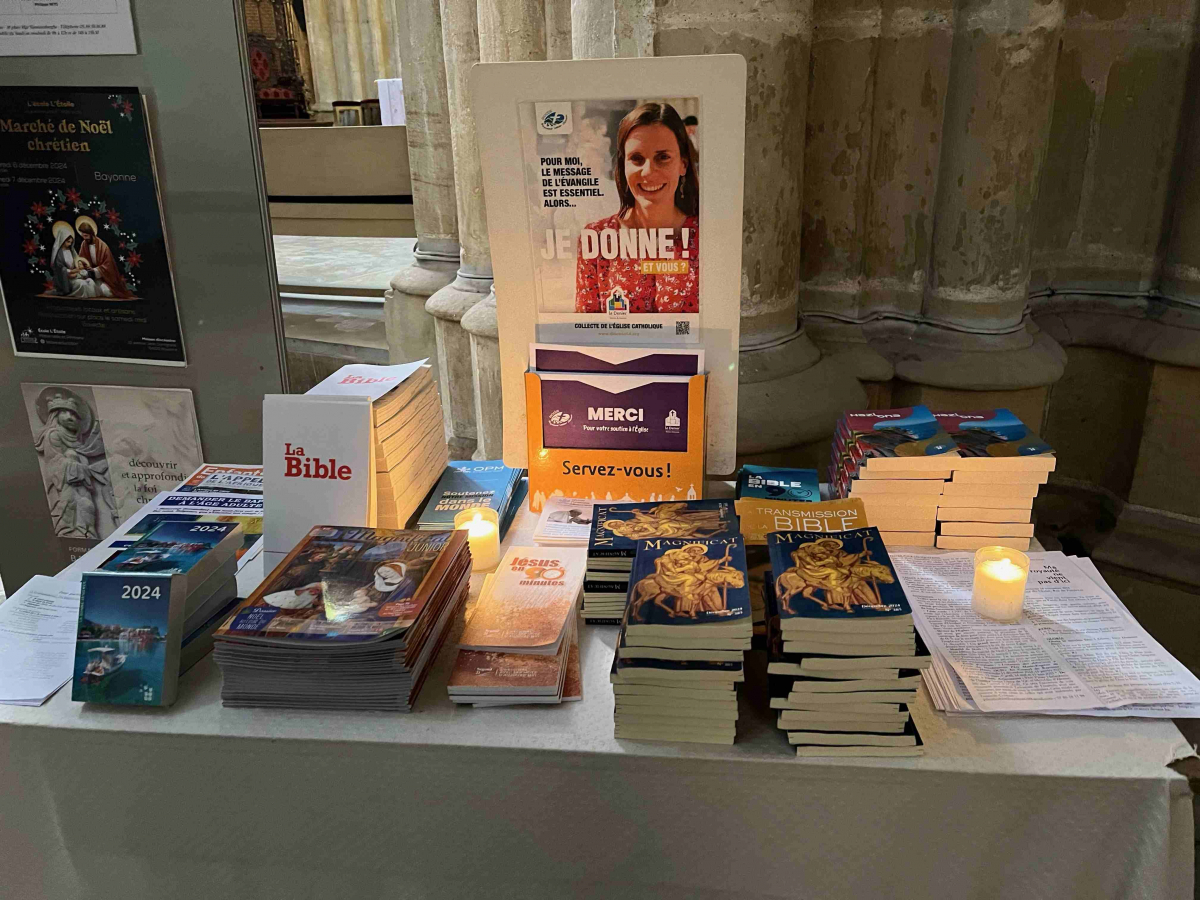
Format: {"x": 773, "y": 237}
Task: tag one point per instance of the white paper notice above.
{"x": 1075, "y": 648}
{"x": 66, "y": 28}
{"x": 37, "y": 640}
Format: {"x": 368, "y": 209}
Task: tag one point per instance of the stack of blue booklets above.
{"x": 149, "y": 612}
{"x": 468, "y": 484}
{"x": 843, "y": 655}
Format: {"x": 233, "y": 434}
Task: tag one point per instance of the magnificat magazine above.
{"x": 613, "y": 194}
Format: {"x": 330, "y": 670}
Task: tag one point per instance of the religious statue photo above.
{"x": 693, "y": 582}
{"x": 832, "y": 577}
{"x": 668, "y": 520}
{"x": 74, "y": 465}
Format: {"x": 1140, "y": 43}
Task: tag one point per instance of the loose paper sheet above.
{"x": 74, "y": 28}
{"x": 37, "y": 640}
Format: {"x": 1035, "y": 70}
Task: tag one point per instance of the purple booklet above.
{"x": 615, "y": 360}
{"x": 615, "y": 412}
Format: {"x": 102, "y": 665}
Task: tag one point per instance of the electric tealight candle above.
{"x": 483, "y": 536}
{"x": 999, "y": 589}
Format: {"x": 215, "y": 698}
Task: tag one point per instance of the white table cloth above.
{"x": 199, "y": 801}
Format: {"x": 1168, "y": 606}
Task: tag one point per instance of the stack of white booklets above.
{"x": 682, "y": 643}
{"x": 520, "y": 644}
{"x": 363, "y": 447}
{"x": 1081, "y": 650}
{"x": 843, "y": 653}
{"x": 1001, "y": 467}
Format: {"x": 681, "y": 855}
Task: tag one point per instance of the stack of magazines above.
{"x": 468, "y": 484}
{"x": 616, "y": 529}
{"x": 351, "y": 619}
{"x": 1081, "y": 652}
{"x": 688, "y": 617}
{"x": 843, "y": 653}
{"x": 521, "y": 644}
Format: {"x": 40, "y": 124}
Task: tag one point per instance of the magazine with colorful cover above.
{"x": 223, "y": 479}
{"x": 617, "y": 527}
{"x": 681, "y": 584}
{"x": 346, "y": 585}
{"x": 466, "y": 484}
{"x": 847, "y": 576}
{"x": 770, "y": 483}
{"x": 992, "y": 432}
{"x": 531, "y": 602}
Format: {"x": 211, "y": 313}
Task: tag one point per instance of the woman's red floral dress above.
{"x": 595, "y": 278}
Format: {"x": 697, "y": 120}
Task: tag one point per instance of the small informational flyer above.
{"x": 613, "y": 190}
{"x": 84, "y": 270}
{"x": 105, "y": 451}
{"x": 66, "y": 28}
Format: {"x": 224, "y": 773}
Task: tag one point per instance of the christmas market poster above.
{"x": 84, "y": 269}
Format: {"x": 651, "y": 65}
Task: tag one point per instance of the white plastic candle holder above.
{"x": 999, "y": 589}
{"x": 482, "y": 525}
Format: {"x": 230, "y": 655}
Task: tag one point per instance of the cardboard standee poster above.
{"x": 600, "y": 176}
{"x": 84, "y": 270}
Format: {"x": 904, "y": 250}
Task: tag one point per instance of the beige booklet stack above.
{"x": 1000, "y": 469}
{"x": 520, "y": 644}
{"x": 406, "y": 429}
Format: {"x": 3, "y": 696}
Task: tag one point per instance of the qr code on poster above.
{"x": 683, "y": 328}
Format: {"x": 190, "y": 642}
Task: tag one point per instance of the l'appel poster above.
{"x": 613, "y": 190}
{"x": 84, "y": 270}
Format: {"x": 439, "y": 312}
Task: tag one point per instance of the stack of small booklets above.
{"x": 469, "y": 484}
{"x": 148, "y": 613}
{"x": 843, "y": 656}
{"x": 565, "y": 522}
{"x": 351, "y": 619}
{"x": 897, "y": 462}
{"x": 520, "y": 645}
{"x": 680, "y": 650}
{"x": 989, "y": 499}
{"x": 616, "y": 529}
{"x": 955, "y": 480}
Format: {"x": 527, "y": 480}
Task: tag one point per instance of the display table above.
{"x": 201, "y": 801}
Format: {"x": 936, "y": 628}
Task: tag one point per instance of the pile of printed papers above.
{"x": 1080, "y": 650}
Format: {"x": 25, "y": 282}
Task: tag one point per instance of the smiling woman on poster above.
{"x": 624, "y": 255}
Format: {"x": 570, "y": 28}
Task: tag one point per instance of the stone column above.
{"x": 410, "y": 328}
{"x": 558, "y": 29}
{"x": 876, "y": 99}
{"x": 321, "y": 52}
{"x": 473, "y": 280}
{"x": 480, "y": 323}
{"x": 972, "y": 334}
{"x": 789, "y": 395}
{"x": 509, "y": 30}
{"x": 604, "y": 29}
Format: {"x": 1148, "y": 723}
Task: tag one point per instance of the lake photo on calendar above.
{"x": 128, "y": 670}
